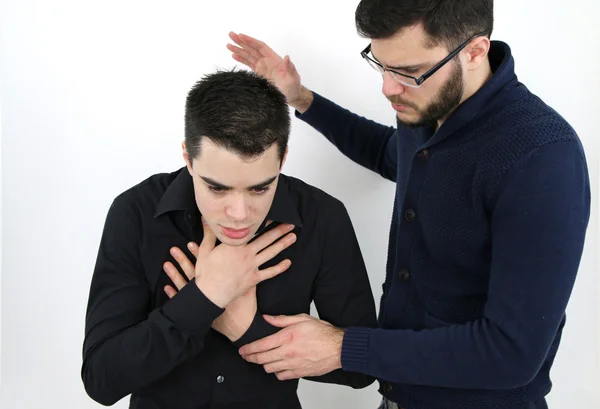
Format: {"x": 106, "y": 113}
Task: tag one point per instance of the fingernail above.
{"x": 191, "y": 245}
{"x": 289, "y": 226}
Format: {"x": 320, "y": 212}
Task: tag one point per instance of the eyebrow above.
{"x": 260, "y": 185}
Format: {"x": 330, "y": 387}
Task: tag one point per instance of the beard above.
{"x": 446, "y": 101}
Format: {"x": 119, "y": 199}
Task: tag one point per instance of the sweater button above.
{"x": 410, "y": 215}
{"x": 423, "y": 154}
{"x": 404, "y": 275}
{"x": 387, "y": 388}
{"x": 220, "y": 379}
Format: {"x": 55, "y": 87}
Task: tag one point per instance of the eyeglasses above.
{"x": 409, "y": 80}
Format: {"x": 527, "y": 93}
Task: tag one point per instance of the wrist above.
{"x": 211, "y": 292}
{"x": 304, "y": 100}
{"x": 338, "y": 340}
{"x": 239, "y": 327}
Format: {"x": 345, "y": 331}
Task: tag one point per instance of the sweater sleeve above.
{"x": 366, "y": 142}
{"x": 538, "y": 228}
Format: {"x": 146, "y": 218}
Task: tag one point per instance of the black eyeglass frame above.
{"x": 418, "y": 81}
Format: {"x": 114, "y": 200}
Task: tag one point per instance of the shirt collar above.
{"x": 179, "y": 196}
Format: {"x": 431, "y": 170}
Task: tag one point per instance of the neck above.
{"x": 477, "y": 79}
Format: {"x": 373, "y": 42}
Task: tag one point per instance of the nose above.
{"x": 237, "y": 209}
{"x": 391, "y": 86}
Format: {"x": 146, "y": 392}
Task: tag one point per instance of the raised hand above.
{"x": 261, "y": 59}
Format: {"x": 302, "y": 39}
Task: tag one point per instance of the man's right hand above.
{"x": 261, "y": 59}
{"x": 223, "y": 273}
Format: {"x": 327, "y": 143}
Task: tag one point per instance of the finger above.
{"x": 265, "y": 358}
{"x": 263, "y": 48}
{"x": 269, "y": 237}
{"x": 266, "y": 344}
{"x": 283, "y": 365}
{"x": 186, "y": 265}
{"x": 174, "y": 275}
{"x": 193, "y": 248}
{"x": 290, "y": 66}
{"x": 242, "y": 53}
{"x": 249, "y": 48}
{"x": 275, "y": 248}
{"x": 209, "y": 240}
{"x": 282, "y": 321}
{"x": 287, "y": 375}
{"x": 244, "y": 61}
{"x": 170, "y": 291}
{"x": 268, "y": 273}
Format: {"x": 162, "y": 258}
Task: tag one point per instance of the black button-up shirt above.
{"x": 163, "y": 351}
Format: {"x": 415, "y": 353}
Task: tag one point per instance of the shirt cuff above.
{"x": 316, "y": 107}
{"x": 355, "y": 349}
{"x": 191, "y": 310}
{"x": 258, "y": 330}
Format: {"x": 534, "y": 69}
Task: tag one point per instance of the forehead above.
{"x": 232, "y": 168}
{"x": 410, "y": 46}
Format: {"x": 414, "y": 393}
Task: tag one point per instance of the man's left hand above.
{"x": 306, "y": 346}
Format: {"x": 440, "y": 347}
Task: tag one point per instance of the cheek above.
{"x": 262, "y": 204}
{"x": 208, "y": 206}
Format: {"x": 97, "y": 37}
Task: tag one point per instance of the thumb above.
{"x": 290, "y": 67}
{"x": 283, "y": 321}
{"x": 209, "y": 240}
{"x": 287, "y": 64}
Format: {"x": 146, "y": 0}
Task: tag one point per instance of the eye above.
{"x": 216, "y": 189}
{"x": 410, "y": 72}
{"x": 260, "y": 190}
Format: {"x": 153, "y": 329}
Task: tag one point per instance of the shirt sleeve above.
{"x": 364, "y": 141}
{"x": 127, "y": 346}
{"x": 538, "y": 228}
{"x": 343, "y": 295}
{"x": 259, "y": 328}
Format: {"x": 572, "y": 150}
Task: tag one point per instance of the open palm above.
{"x": 265, "y": 62}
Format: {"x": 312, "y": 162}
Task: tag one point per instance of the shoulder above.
{"x": 314, "y": 204}
{"x": 144, "y": 196}
{"x": 526, "y": 124}
{"x": 521, "y": 131}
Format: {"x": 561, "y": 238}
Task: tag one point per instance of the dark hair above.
{"x": 446, "y": 22}
{"x": 239, "y": 111}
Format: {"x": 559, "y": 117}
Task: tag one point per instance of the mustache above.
{"x": 394, "y": 99}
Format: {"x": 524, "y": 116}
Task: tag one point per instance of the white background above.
{"x": 92, "y": 97}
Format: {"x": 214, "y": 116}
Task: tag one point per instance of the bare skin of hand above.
{"x": 224, "y": 273}
{"x": 238, "y": 315}
{"x": 261, "y": 59}
{"x": 306, "y": 346}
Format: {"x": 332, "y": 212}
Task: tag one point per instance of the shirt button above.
{"x": 423, "y": 154}
{"x": 387, "y": 387}
{"x": 410, "y": 215}
{"x": 404, "y": 275}
{"x": 220, "y": 379}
